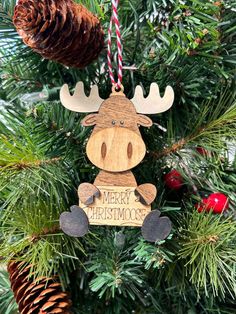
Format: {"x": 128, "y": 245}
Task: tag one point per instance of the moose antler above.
{"x": 154, "y": 103}
{"x": 79, "y": 102}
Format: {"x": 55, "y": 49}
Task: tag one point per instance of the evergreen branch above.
{"x": 119, "y": 274}
{"x": 170, "y": 150}
{"x": 32, "y": 235}
{"x": 28, "y": 168}
{"x": 51, "y": 184}
{"x": 44, "y": 233}
{"x": 118, "y": 263}
{"x": 209, "y": 252}
{"x": 7, "y": 301}
{"x": 188, "y": 44}
{"x": 7, "y": 6}
{"x": 212, "y": 128}
{"x": 153, "y": 256}
{"x": 28, "y": 164}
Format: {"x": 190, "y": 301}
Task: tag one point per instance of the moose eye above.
{"x": 113, "y": 122}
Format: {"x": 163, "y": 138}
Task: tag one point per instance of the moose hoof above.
{"x": 146, "y": 193}
{"x": 87, "y": 192}
{"x": 156, "y": 228}
{"x": 75, "y": 223}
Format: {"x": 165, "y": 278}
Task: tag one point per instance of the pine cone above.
{"x": 60, "y": 30}
{"x": 37, "y": 297}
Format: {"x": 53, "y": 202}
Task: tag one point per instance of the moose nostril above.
{"x": 104, "y": 150}
{"x": 129, "y": 150}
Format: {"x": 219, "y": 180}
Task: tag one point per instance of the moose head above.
{"x": 116, "y": 144}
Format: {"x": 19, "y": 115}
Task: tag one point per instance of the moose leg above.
{"x": 156, "y": 228}
{"x": 87, "y": 192}
{"x": 74, "y": 223}
{"x": 146, "y": 193}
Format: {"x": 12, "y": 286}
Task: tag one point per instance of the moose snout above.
{"x": 116, "y": 149}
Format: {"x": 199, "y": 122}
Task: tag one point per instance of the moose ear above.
{"x": 90, "y": 120}
{"x": 144, "y": 120}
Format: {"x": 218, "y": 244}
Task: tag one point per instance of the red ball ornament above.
{"x": 174, "y": 180}
{"x": 217, "y": 202}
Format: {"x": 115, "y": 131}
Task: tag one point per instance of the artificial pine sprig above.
{"x": 118, "y": 263}
{"x": 154, "y": 256}
{"x": 24, "y": 173}
{"x": 7, "y": 301}
{"x": 187, "y": 44}
{"x": 32, "y": 234}
{"x": 213, "y": 126}
{"x": 114, "y": 272}
{"x": 208, "y": 251}
{"x": 36, "y": 184}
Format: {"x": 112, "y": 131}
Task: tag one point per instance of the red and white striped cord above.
{"x": 115, "y": 20}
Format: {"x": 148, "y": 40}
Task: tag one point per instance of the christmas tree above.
{"x": 187, "y": 44}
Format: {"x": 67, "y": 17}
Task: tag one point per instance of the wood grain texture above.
{"x": 147, "y": 193}
{"x": 125, "y": 178}
{"x": 87, "y": 192}
{"x": 116, "y": 146}
{"x": 119, "y": 111}
{"x": 116, "y": 206}
{"x": 115, "y": 149}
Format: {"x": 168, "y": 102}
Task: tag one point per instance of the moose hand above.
{"x": 87, "y": 192}
{"x": 146, "y": 193}
{"x": 156, "y": 228}
{"x": 74, "y": 223}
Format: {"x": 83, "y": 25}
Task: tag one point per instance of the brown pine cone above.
{"x": 44, "y": 296}
{"x": 60, "y": 30}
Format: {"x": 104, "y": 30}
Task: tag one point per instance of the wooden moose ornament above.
{"x": 116, "y": 146}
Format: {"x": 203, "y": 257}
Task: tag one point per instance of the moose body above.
{"x": 115, "y": 147}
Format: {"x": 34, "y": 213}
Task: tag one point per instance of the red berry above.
{"x": 173, "y": 180}
{"x": 217, "y": 202}
{"x": 201, "y": 206}
{"x": 202, "y": 151}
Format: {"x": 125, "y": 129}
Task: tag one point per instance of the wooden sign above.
{"x": 116, "y": 206}
{"x": 115, "y": 147}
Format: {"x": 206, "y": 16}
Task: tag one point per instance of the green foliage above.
{"x": 35, "y": 238}
{"x": 189, "y": 44}
{"x": 119, "y": 275}
{"x": 117, "y": 270}
{"x": 95, "y": 6}
{"x": 215, "y": 123}
{"x": 36, "y": 186}
{"x": 208, "y": 250}
{"x": 28, "y": 166}
{"x": 7, "y": 301}
{"x": 153, "y": 257}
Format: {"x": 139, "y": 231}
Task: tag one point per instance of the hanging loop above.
{"x": 115, "y": 20}
{"x": 120, "y": 92}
